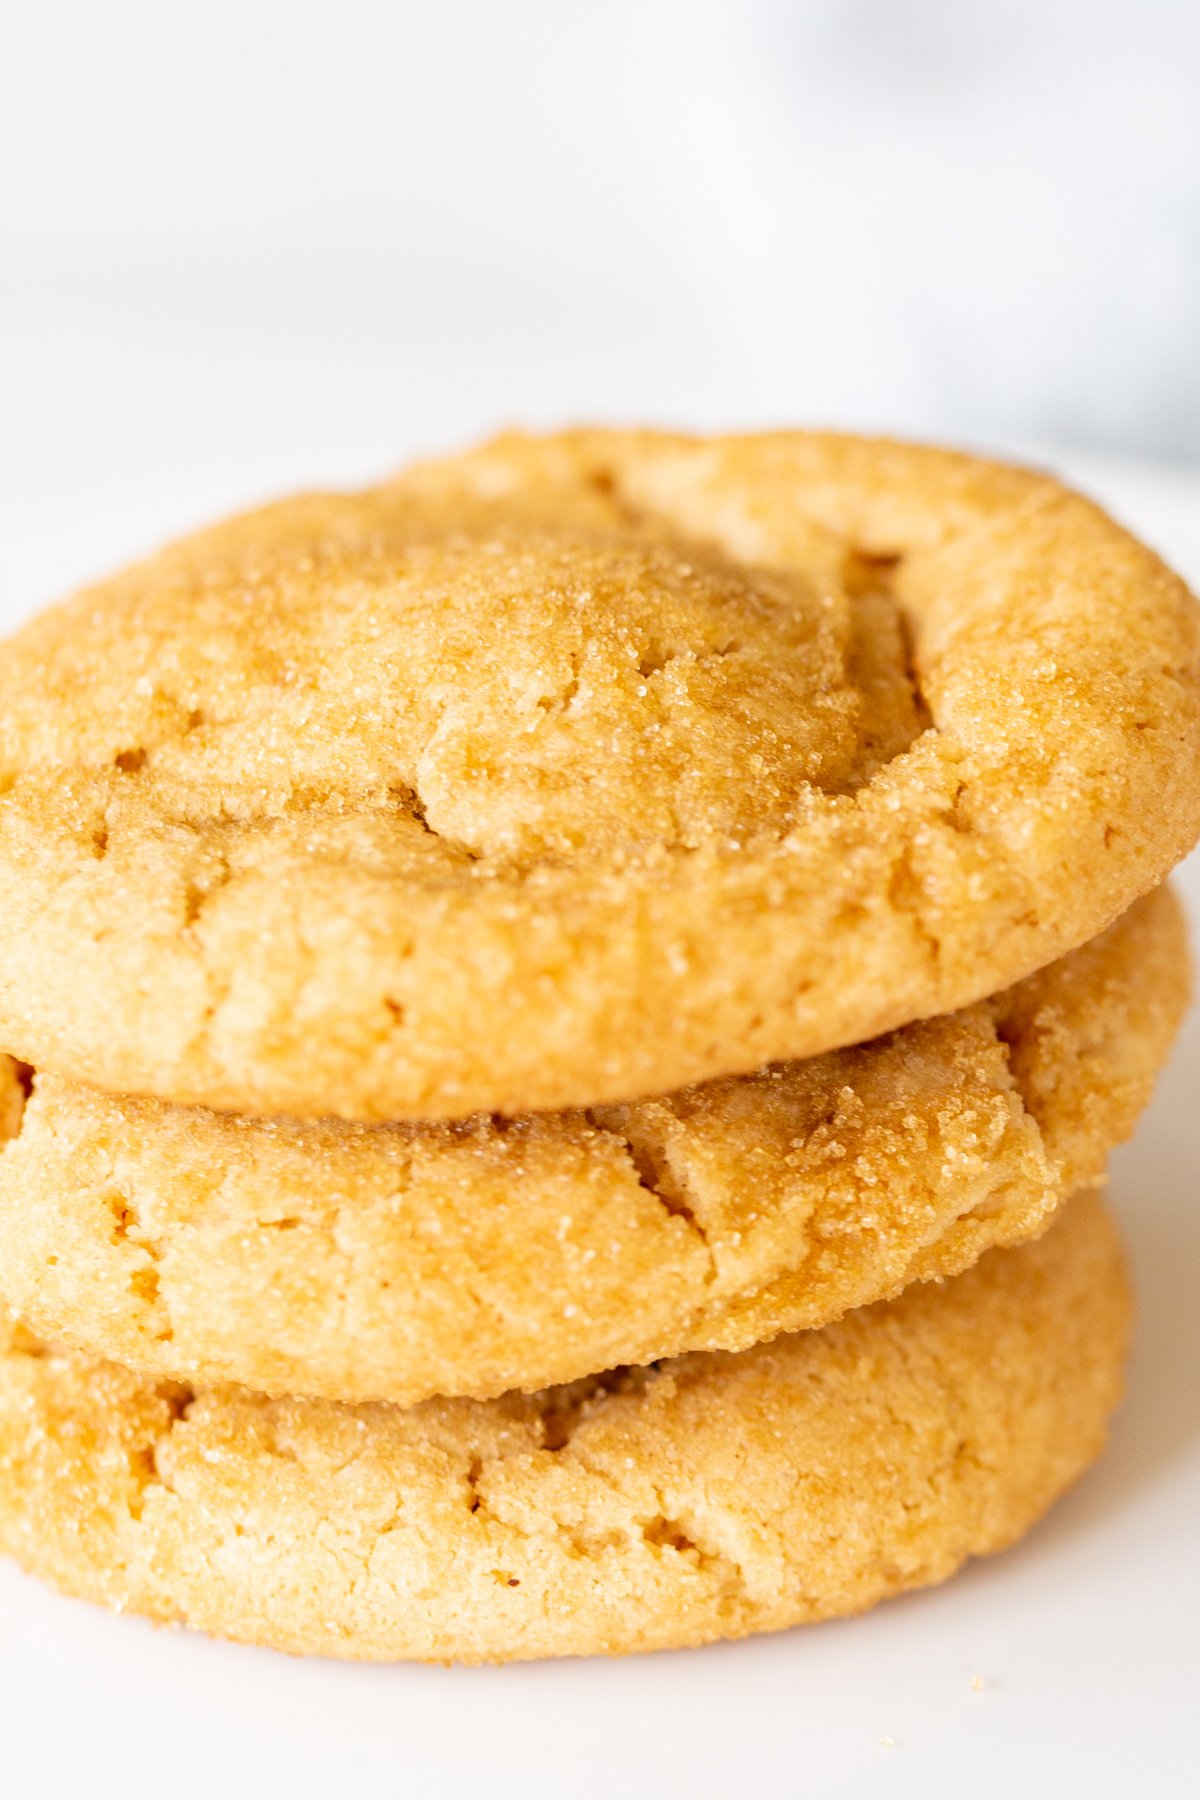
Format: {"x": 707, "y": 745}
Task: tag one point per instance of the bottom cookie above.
{"x": 708, "y": 1497}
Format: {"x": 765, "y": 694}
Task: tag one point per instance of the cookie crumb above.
{"x": 977, "y": 1684}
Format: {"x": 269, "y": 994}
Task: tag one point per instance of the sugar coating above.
{"x": 708, "y": 1498}
{"x": 395, "y": 1262}
{"x": 576, "y": 769}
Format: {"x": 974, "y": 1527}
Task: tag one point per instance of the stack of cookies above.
{"x": 556, "y": 1010}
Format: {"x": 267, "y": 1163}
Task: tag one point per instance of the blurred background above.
{"x": 252, "y": 244}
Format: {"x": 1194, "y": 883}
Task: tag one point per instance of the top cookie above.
{"x": 576, "y": 769}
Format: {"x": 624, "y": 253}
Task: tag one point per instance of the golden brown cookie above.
{"x": 577, "y": 769}
{"x": 394, "y": 1262}
{"x": 711, "y": 1497}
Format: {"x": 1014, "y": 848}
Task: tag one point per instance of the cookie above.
{"x": 396, "y": 1262}
{"x": 707, "y": 1498}
{"x": 578, "y": 769}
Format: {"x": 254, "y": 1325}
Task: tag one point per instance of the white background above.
{"x": 248, "y": 245}
{"x": 251, "y": 221}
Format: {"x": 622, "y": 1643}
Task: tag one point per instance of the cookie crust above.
{"x": 395, "y": 1262}
{"x": 581, "y": 768}
{"x": 712, "y": 1497}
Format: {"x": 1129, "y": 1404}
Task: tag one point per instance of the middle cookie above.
{"x": 395, "y": 1262}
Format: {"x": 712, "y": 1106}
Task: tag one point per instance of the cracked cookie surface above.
{"x": 394, "y": 1262}
{"x": 710, "y": 1497}
{"x": 576, "y": 769}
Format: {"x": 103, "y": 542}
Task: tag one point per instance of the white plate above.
{"x": 1067, "y": 1667}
